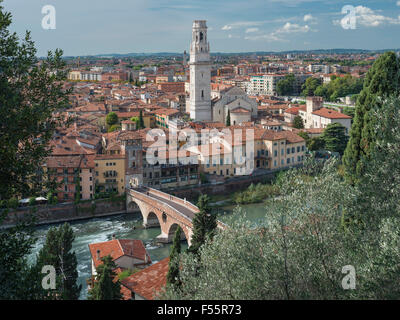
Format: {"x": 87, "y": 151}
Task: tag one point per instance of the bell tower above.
{"x": 200, "y": 73}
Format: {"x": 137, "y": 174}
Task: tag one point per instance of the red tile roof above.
{"x": 330, "y": 114}
{"x": 148, "y": 282}
{"x": 118, "y": 248}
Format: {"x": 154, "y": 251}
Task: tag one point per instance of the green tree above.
{"x": 315, "y": 144}
{"x": 381, "y": 81}
{"x": 173, "y": 270}
{"x": 310, "y": 86}
{"x": 298, "y": 122}
{"x": 285, "y": 86}
{"x": 335, "y": 138}
{"x": 204, "y": 224}
{"x": 106, "y": 286}
{"x": 30, "y": 92}
{"x": 111, "y": 119}
{"x": 141, "y": 121}
{"x": 114, "y": 127}
{"x": 228, "y": 119}
{"x": 57, "y": 252}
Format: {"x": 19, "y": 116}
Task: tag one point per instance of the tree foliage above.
{"x": 228, "y": 119}
{"x": 106, "y": 286}
{"x": 301, "y": 249}
{"x": 31, "y": 94}
{"x": 285, "y": 87}
{"x": 298, "y": 122}
{"x": 204, "y": 224}
{"x": 339, "y": 87}
{"x": 334, "y": 138}
{"x": 310, "y": 86}
{"x": 111, "y": 119}
{"x": 381, "y": 81}
{"x": 31, "y": 91}
{"x": 57, "y": 252}
{"x": 174, "y": 260}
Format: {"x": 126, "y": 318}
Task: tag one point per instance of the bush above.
{"x": 13, "y": 203}
{"x": 32, "y": 201}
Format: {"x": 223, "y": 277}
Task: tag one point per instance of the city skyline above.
{"x": 161, "y": 26}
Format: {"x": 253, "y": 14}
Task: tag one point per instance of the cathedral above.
{"x": 233, "y": 100}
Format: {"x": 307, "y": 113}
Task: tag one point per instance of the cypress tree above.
{"x": 57, "y": 252}
{"x": 204, "y": 224}
{"x": 228, "y": 119}
{"x": 173, "y": 271}
{"x": 105, "y": 286}
{"x": 141, "y": 121}
{"x": 381, "y": 81}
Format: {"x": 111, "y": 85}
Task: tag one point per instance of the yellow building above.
{"x": 110, "y": 173}
{"x": 272, "y": 151}
{"x": 276, "y": 150}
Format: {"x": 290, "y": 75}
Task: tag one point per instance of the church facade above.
{"x": 236, "y": 101}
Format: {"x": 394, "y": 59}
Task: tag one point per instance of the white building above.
{"x": 200, "y": 73}
{"x": 316, "y": 116}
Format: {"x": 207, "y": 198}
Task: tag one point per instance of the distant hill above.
{"x": 172, "y": 54}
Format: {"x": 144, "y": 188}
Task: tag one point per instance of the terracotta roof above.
{"x": 148, "y": 282}
{"x": 118, "y": 248}
{"x": 330, "y": 114}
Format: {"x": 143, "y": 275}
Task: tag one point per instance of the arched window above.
{"x": 201, "y": 36}
{"x": 202, "y": 93}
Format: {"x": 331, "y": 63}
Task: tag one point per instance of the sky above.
{"x": 89, "y": 27}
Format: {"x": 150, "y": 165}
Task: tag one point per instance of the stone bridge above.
{"x": 162, "y": 210}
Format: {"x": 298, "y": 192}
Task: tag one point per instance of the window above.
{"x": 298, "y": 149}
{"x": 288, "y": 151}
{"x": 275, "y": 153}
{"x": 293, "y": 150}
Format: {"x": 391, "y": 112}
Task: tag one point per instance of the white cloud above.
{"x": 309, "y": 18}
{"x": 367, "y": 17}
{"x": 398, "y": 3}
{"x": 293, "y": 28}
{"x": 249, "y": 30}
{"x": 248, "y": 24}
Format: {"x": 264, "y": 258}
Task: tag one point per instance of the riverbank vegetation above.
{"x": 256, "y": 193}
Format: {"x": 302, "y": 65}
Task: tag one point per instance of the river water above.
{"x": 128, "y": 226}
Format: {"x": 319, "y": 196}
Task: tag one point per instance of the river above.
{"x": 127, "y": 226}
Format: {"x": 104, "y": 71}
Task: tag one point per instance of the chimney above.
{"x": 145, "y": 258}
{"x": 98, "y": 254}
{"x": 113, "y": 236}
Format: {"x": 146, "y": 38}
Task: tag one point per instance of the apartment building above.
{"x": 266, "y": 84}
{"x": 110, "y": 173}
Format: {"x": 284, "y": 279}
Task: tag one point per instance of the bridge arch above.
{"x": 172, "y": 229}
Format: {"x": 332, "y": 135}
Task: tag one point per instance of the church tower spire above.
{"x": 200, "y": 73}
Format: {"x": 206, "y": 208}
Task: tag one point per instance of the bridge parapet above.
{"x": 180, "y": 201}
